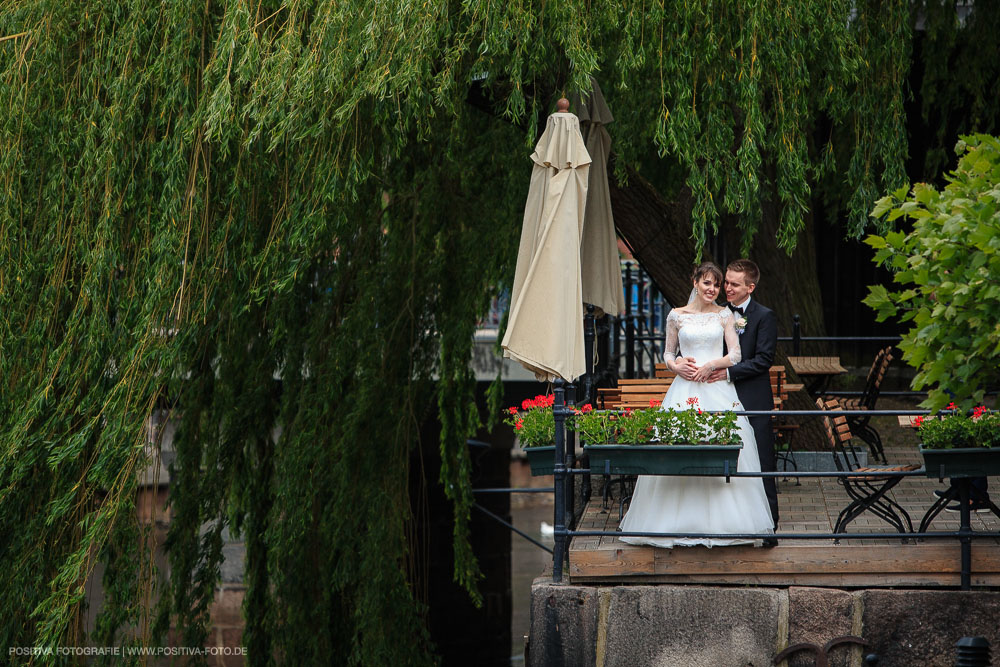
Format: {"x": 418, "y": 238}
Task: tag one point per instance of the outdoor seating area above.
{"x": 867, "y": 493}
{"x": 815, "y": 505}
{"x": 816, "y": 372}
{"x": 861, "y": 425}
{"x": 882, "y": 510}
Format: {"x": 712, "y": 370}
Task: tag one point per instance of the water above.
{"x": 528, "y": 511}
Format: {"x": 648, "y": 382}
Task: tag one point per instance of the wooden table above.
{"x": 816, "y": 371}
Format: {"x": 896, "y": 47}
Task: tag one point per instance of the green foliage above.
{"x": 956, "y": 89}
{"x": 597, "y": 427}
{"x": 535, "y": 422}
{"x": 655, "y": 425}
{"x": 955, "y": 430}
{"x": 200, "y": 198}
{"x": 947, "y": 270}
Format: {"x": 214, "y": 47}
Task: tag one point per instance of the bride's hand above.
{"x": 685, "y": 367}
{"x": 704, "y": 373}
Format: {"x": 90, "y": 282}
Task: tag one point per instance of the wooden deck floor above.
{"x": 811, "y": 506}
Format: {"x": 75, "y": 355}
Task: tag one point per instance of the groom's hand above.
{"x": 717, "y": 375}
{"x": 685, "y": 367}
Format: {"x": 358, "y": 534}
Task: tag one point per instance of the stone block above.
{"x": 563, "y": 625}
{"x": 921, "y": 627}
{"x": 818, "y": 615}
{"x": 692, "y": 626}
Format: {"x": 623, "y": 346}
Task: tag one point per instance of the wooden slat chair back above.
{"x": 783, "y": 431}
{"x": 861, "y": 424}
{"x": 608, "y": 398}
{"x": 867, "y": 493}
{"x": 638, "y": 393}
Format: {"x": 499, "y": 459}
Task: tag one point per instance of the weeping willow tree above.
{"x": 278, "y": 222}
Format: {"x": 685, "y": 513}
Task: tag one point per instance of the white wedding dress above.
{"x": 662, "y": 504}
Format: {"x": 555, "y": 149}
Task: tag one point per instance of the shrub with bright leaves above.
{"x": 956, "y": 429}
{"x": 948, "y": 273}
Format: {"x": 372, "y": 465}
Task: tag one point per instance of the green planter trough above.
{"x": 541, "y": 459}
{"x": 663, "y": 459}
{"x": 966, "y": 462}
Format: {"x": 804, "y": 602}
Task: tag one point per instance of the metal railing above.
{"x": 563, "y": 473}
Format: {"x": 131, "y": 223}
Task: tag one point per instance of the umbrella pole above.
{"x": 588, "y": 343}
{"x": 559, "y": 411}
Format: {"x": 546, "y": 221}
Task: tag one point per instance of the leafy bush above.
{"x": 534, "y": 422}
{"x": 656, "y": 425}
{"x": 948, "y": 270}
{"x": 957, "y": 430}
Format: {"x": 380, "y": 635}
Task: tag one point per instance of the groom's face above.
{"x": 737, "y": 287}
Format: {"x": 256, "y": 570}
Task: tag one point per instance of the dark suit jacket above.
{"x": 757, "y": 343}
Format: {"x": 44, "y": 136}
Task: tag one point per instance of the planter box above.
{"x": 662, "y": 459}
{"x": 802, "y": 461}
{"x": 541, "y": 459}
{"x": 971, "y": 462}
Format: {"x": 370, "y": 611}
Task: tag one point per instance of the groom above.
{"x": 757, "y": 327}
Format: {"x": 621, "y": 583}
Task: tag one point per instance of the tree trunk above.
{"x": 659, "y": 234}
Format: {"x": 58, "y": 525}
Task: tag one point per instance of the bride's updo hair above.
{"x": 710, "y": 268}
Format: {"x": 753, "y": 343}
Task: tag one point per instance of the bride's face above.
{"x": 708, "y": 288}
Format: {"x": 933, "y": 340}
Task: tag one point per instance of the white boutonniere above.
{"x": 741, "y": 324}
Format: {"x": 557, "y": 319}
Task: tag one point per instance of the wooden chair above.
{"x": 861, "y": 424}
{"x": 638, "y": 393}
{"x": 608, "y": 398}
{"x": 783, "y": 431}
{"x": 866, "y": 493}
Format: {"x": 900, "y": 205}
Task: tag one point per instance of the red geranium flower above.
{"x": 919, "y": 421}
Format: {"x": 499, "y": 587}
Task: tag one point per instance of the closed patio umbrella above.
{"x": 602, "y": 273}
{"x": 545, "y": 325}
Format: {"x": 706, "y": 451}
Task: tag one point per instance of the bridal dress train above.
{"x": 666, "y": 504}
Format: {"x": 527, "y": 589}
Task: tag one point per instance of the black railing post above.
{"x": 588, "y": 354}
{"x": 570, "y": 459}
{"x": 559, "y": 473}
{"x": 629, "y": 324}
{"x": 640, "y": 314}
{"x": 796, "y": 336}
{"x": 965, "y": 534}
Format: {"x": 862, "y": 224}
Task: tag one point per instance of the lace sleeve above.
{"x": 671, "y": 347}
{"x": 732, "y": 338}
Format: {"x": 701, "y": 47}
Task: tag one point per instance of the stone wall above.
{"x": 714, "y": 626}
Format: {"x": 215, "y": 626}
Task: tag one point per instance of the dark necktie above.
{"x": 735, "y": 309}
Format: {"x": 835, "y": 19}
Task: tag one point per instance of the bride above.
{"x": 709, "y": 505}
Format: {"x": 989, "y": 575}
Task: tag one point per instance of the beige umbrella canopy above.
{"x": 602, "y": 275}
{"x": 545, "y": 326}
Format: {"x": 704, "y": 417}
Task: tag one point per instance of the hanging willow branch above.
{"x": 279, "y": 221}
